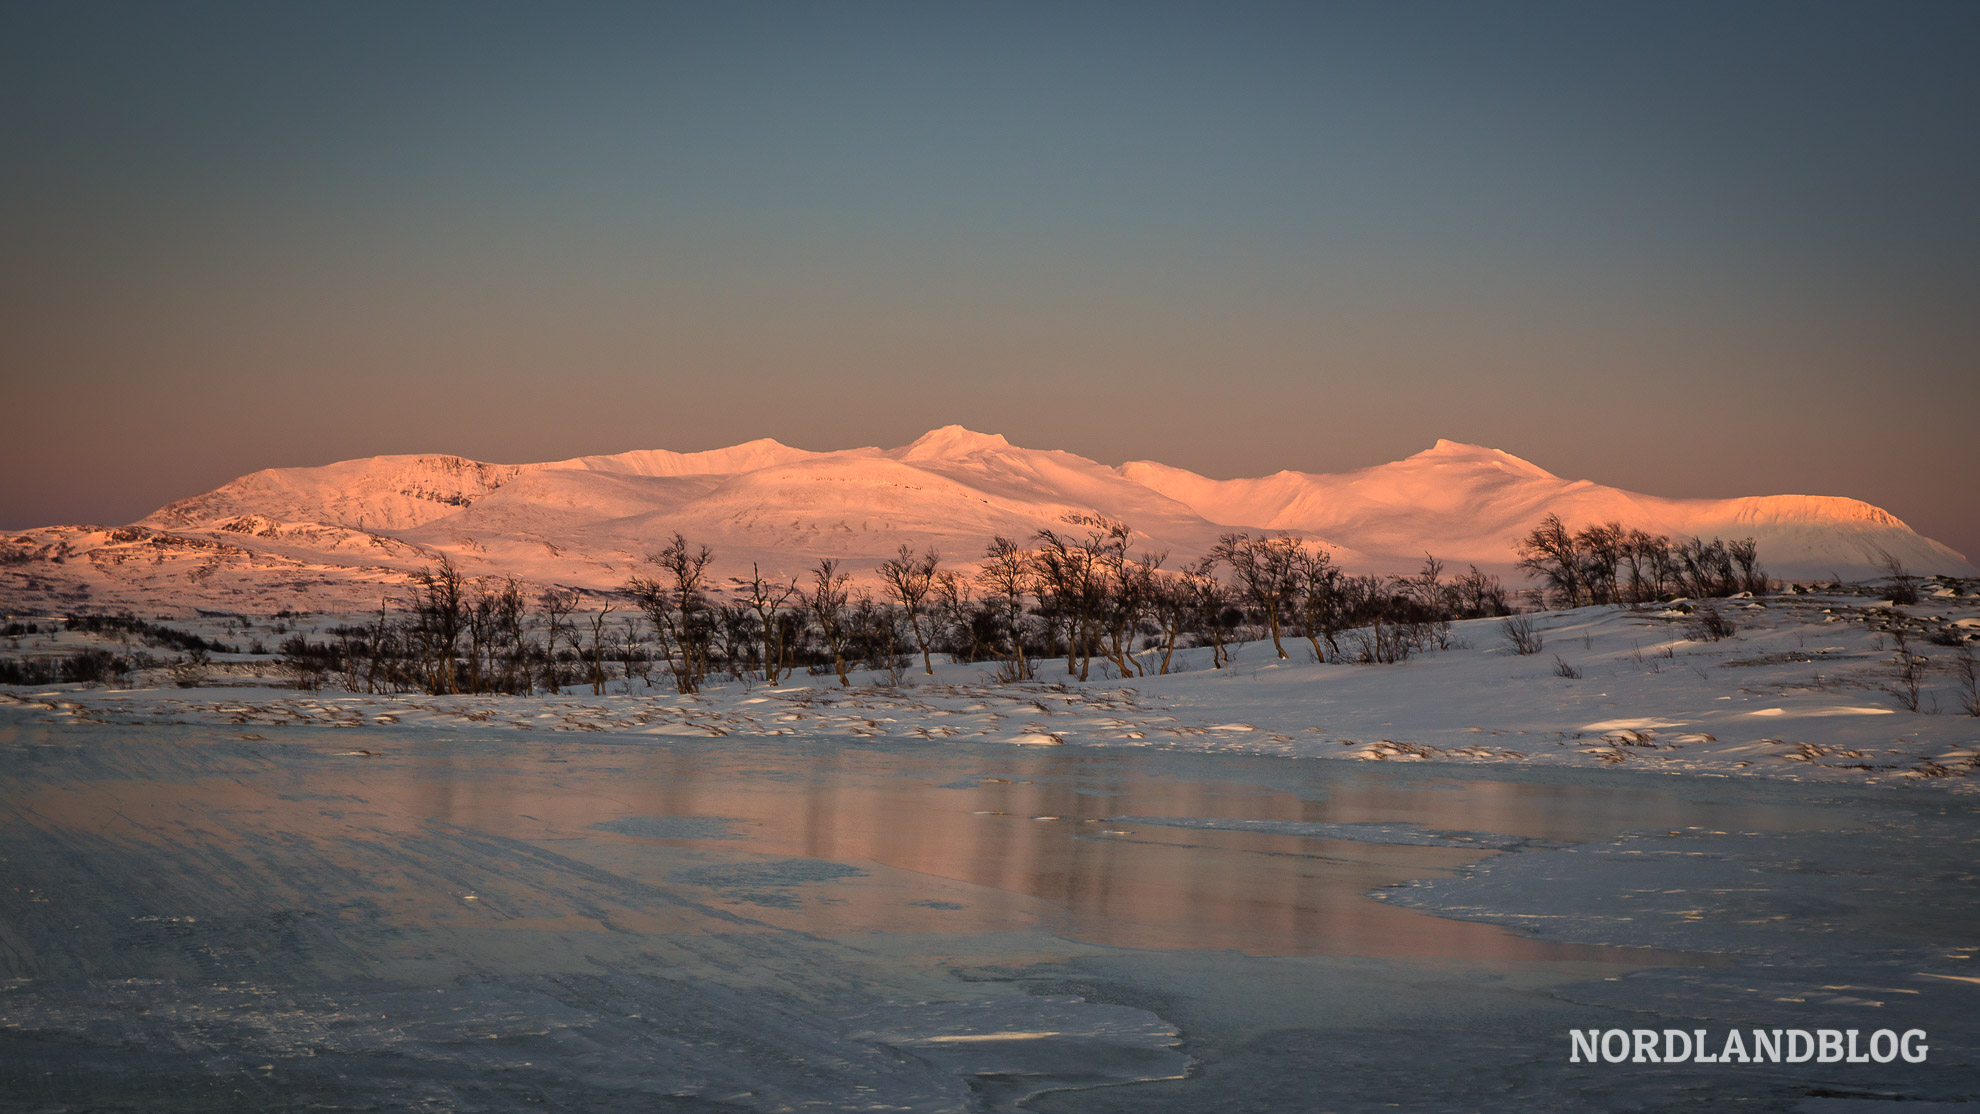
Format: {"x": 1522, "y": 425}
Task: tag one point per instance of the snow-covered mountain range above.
{"x": 343, "y": 535}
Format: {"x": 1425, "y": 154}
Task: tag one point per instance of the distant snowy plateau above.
{"x": 343, "y": 536}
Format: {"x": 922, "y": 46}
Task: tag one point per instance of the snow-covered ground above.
{"x": 1808, "y": 687}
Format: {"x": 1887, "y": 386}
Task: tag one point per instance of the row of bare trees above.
{"x": 1609, "y": 563}
{"x": 1081, "y": 592}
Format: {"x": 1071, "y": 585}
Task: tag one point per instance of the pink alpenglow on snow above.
{"x": 343, "y": 533}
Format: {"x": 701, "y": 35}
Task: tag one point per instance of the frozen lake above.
{"x": 196, "y": 920}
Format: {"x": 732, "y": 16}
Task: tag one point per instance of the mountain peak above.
{"x": 1446, "y": 451}
{"x": 763, "y": 452}
{"x": 1445, "y": 447}
{"x": 333, "y": 531}
{"x": 951, "y": 441}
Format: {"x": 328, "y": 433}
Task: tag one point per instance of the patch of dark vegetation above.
{"x": 1786, "y": 658}
{"x": 84, "y": 667}
{"x": 151, "y": 634}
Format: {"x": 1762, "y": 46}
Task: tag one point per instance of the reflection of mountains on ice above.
{"x": 474, "y": 919}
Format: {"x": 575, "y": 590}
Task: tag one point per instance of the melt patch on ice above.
{"x": 671, "y": 827}
{"x": 1407, "y": 834}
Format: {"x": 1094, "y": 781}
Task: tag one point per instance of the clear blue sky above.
{"x": 1705, "y": 249}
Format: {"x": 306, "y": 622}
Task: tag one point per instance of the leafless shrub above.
{"x": 1387, "y": 643}
{"x": 1563, "y": 669}
{"x": 1708, "y": 625}
{"x": 1014, "y": 669}
{"x": 301, "y": 673}
{"x": 189, "y": 671}
{"x": 1520, "y": 632}
{"x": 1910, "y": 674}
{"x": 1969, "y": 680}
{"x": 1651, "y": 664}
{"x": 1904, "y": 586}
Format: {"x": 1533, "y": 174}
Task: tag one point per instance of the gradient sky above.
{"x": 1711, "y": 249}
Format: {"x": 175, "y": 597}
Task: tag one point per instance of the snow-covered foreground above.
{"x": 1149, "y": 894}
{"x": 1807, "y": 687}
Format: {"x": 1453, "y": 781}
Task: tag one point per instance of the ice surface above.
{"x": 203, "y": 921}
{"x": 1408, "y": 834}
{"x": 482, "y": 919}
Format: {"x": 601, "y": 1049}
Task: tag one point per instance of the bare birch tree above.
{"x": 908, "y": 580}
{"x": 827, "y": 603}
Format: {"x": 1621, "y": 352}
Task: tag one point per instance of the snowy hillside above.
{"x": 342, "y": 535}
{"x": 1465, "y": 503}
